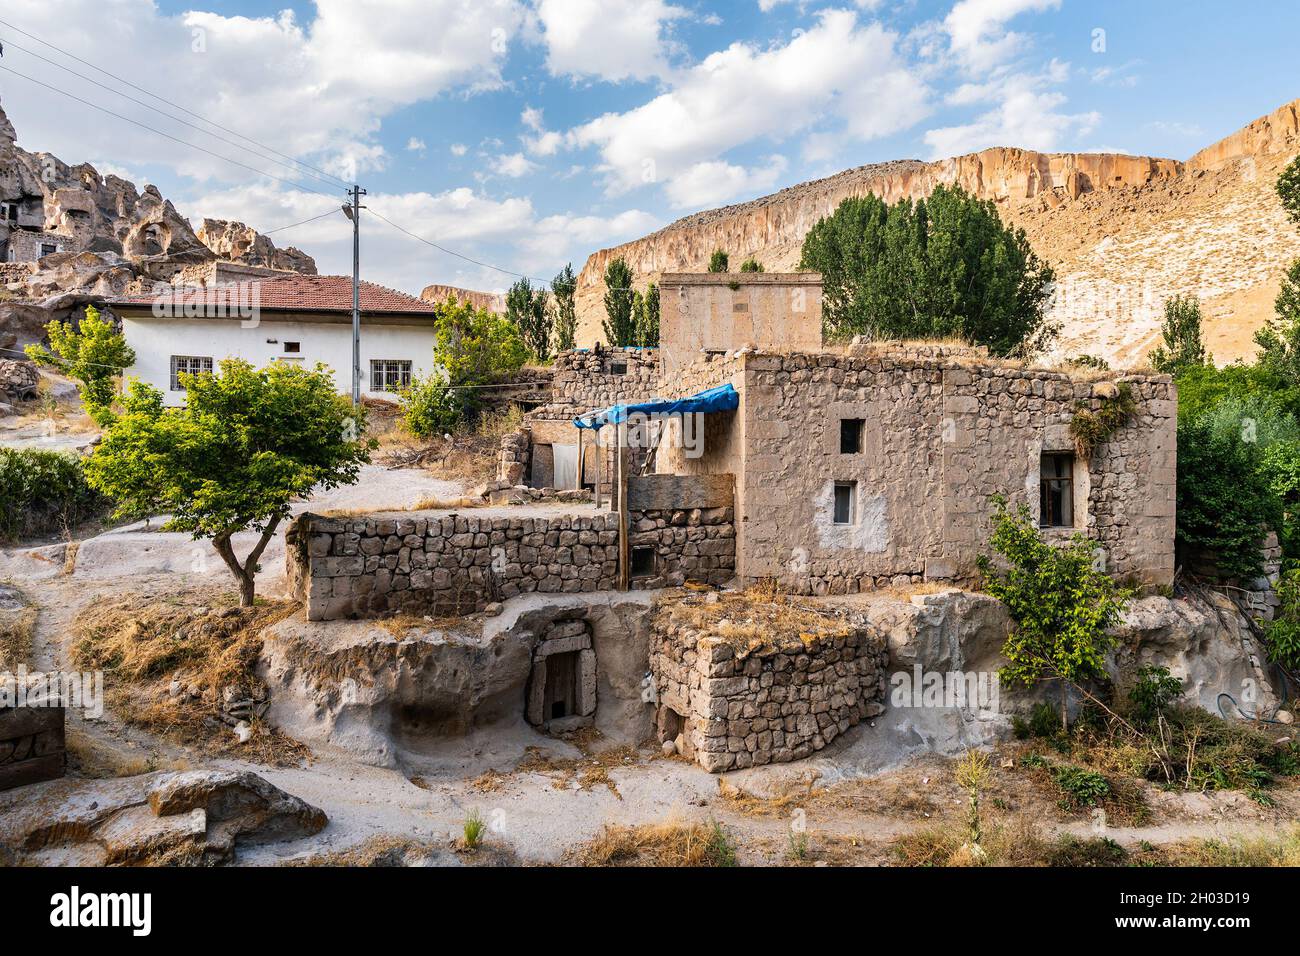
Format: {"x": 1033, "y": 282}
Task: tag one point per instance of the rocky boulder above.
{"x": 240, "y": 243}
{"x": 195, "y": 817}
{"x": 18, "y": 380}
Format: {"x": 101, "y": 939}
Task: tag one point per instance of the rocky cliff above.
{"x": 113, "y": 237}
{"x": 1123, "y": 232}
{"x": 492, "y": 301}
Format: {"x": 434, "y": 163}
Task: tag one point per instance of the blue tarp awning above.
{"x": 721, "y": 399}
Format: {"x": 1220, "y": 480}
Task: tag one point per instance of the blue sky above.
{"x": 528, "y": 133}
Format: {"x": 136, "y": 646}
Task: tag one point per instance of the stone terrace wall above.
{"x": 450, "y": 564}
{"x": 782, "y": 701}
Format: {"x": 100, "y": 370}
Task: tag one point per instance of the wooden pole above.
{"x": 624, "y": 548}
{"x": 600, "y": 466}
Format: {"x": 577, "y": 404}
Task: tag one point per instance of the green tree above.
{"x": 472, "y": 348}
{"x": 564, "y": 288}
{"x": 1288, "y": 188}
{"x": 1224, "y": 504}
{"x": 646, "y": 309}
{"x": 1279, "y": 339}
{"x": 94, "y": 354}
{"x": 620, "y": 323}
{"x": 751, "y": 265}
{"x": 719, "y": 261}
{"x": 1062, "y": 606}
{"x": 248, "y": 443}
{"x": 1182, "y": 346}
{"x": 941, "y": 267}
{"x": 526, "y": 308}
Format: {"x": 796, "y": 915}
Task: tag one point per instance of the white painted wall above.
{"x": 155, "y": 341}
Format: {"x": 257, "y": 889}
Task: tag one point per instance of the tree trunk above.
{"x": 1065, "y": 711}
{"x": 245, "y": 572}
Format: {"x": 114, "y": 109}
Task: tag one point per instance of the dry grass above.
{"x": 488, "y": 782}
{"x": 469, "y": 456}
{"x": 793, "y": 795}
{"x": 589, "y": 770}
{"x": 756, "y": 618}
{"x": 377, "y": 851}
{"x": 661, "y": 844}
{"x": 17, "y": 632}
{"x": 99, "y": 759}
{"x": 145, "y": 644}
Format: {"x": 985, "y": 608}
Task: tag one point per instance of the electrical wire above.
{"x": 175, "y": 139}
{"x": 161, "y": 99}
{"x": 229, "y": 142}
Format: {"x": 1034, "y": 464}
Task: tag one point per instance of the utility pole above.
{"x": 353, "y": 211}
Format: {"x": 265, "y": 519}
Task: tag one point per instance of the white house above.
{"x": 284, "y": 316}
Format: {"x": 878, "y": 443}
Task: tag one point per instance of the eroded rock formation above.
{"x": 1123, "y": 232}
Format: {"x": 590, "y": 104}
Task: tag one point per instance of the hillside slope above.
{"x": 1123, "y": 232}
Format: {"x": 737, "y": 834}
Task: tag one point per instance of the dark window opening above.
{"x": 561, "y": 698}
{"x": 643, "y": 562}
{"x": 48, "y": 249}
{"x": 850, "y": 436}
{"x": 618, "y": 368}
{"x": 293, "y": 346}
{"x": 844, "y": 501}
{"x": 1056, "y": 491}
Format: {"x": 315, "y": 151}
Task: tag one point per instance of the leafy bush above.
{"x": 719, "y": 261}
{"x": 472, "y": 348}
{"x": 94, "y": 354}
{"x": 620, "y": 322}
{"x": 1224, "y": 501}
{"x": 1282, "y": 634}
{"x": 43, "y": 491}
{"x": 1080, "y": 787}
{"x": 1288, "y": 189}
{"x": 1090, "y": 428}
{"x": 1152, "y": 692}
{"x": 1062, "y": 606}
{"x": 941, "y": 267}
{"x": 751, "y": 265}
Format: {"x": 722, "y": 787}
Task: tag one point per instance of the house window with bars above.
{"x": 189, "y": 365}
{"x": 390, "y": 375}
{"x": 1056, "y": 491}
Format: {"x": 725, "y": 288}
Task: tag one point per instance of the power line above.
{"x": 329, "y": 182}
{"x": 175, "y": 139}
{"x": 294, "y": 225}
{"x": 168, "y": 102}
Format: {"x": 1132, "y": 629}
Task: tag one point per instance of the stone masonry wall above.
{"x": 449, "y": 564}
{"x": 730, "y": 706}
{"x": 584, "y": 380}
{"x": 697, "y": 544}
{"x": 941, "y": 433}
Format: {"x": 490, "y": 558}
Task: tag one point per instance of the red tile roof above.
{"x": 298, "y": 293}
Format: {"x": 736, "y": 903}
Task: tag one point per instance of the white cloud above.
{"x": 977, "y": 34}
{"x": 508, "y": 233}
{"x": 1026, "y": 113}
{"x": 712, "y": 183}
{"x": 459, "y": 149}
{"x": 299, "y": 87}
{"x": 513, "y": 165}
{"x": 608, "y": 39}
{"x": 416, "y": 145}
{"x": 543, "y": 142}
{"x": 835, "y": 71}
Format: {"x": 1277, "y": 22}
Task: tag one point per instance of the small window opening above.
{"x": 618, "y": 368}
{"x": 293, "y": 346}
{"x": 850, "y": 436}
{"x": 844, "y": 494}
{"x": 643, "y": 562}
{"x": 1056, "y": 491}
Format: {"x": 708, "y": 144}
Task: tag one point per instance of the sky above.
{"x": 524, "y": 134}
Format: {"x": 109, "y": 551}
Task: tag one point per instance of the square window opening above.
{"x": 188, "y": 365}
{"x": 1056, "y": 491}
{"x": 851, "y": 436}
{"x": 643, "y": 562}
{"x": 390, "y": 375}
{"x": 618, "y": 368}
{"x": 845, "y": 493}
{"x": 293, "y": 346}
